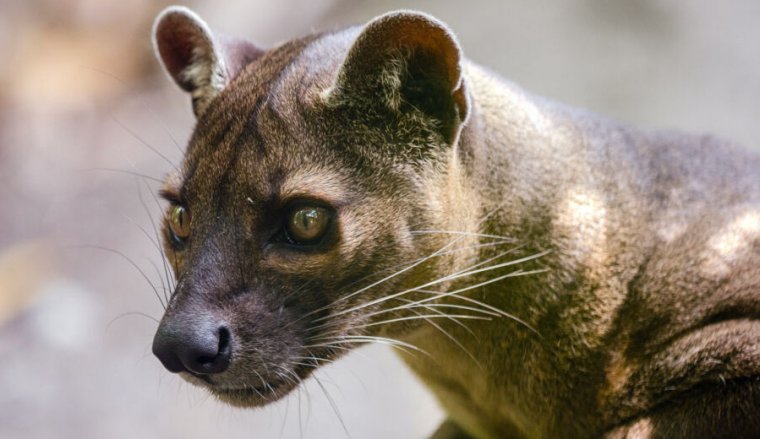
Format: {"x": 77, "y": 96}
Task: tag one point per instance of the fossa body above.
{"x": 545, "y": 271}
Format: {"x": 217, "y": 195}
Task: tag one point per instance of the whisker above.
{"x": 451, "y": 337}
{"x": 142, "y": 102}
{"x": 423, "y": 316}
{"x": 332, "y": 404}
{"x": 155, "y": 244}
{"x": 123, "y": 171}
{"x": 490, "y": 281}
{"x": 316, "y": 360}
{"x": 458, "y": 232}
{"x": 164, "y": 262}
{"x": 448, "y": 278}
{"x": 413, "y": 304}
{"x": 323, "y": 345}
{"x": 285, "y": 416}
{"x": 169, "y": 278}
{"x": 410, "y": 305}
{"x": 144, "y": 143}
{"x": 471, "y": 300}
{"x": 144, "y": 232}
{"x": 295, "y": 291}
{"x": 289, "y": 375}
{"x": 158, "y": 273}
{"x": 364, "y": 338}
{"x": 432, "y": 309}
{"x": 128, "y": 314}
{"x": 300, "y": 417}
{"x": 446, "y": 253}
{"x": 489, "y": 260}
{"x": 255, "y": 388}
{"x": 131, "y": 262}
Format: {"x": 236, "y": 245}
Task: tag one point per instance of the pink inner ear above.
{"x": 178, "y": 42}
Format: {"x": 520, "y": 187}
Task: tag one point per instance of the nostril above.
{"x": 211, "y": 358}
{"x": 193, "y": 349}
{"x": 224, "y": 342}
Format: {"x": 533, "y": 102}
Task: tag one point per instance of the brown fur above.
{"x": 637, "y": 300}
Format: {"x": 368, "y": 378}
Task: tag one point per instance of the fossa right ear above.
{"x": 201, "y": 63}
{"x": 405, "y": 60}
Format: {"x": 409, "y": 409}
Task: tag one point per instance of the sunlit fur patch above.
{"x": 582, "y": 219}
{"x": 731, "y": 243}
{"x": 671, "y": 228}
{"x": 618, "y": 373}
{"x": 316, "y": 182}
{"x": 453, "y": 205}
{"x": 641, "y": 429}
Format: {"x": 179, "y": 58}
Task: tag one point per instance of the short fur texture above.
{"x": 564, "y": 274}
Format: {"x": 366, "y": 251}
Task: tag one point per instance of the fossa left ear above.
{"x": 199, "y": 62}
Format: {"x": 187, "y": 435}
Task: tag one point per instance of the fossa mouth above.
{"x": 247, "y": 395}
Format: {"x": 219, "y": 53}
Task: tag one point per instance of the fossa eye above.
{"x": 179, "y": 223}
{"x": 307, "y": 224}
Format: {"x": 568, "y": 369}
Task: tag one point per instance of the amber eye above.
{"x": 179, "y": 223}
{"x": 307, "y": 224}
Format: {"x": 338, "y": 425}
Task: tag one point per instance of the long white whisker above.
{"x": 459, "y": 249}
{"x": 478, "y": 285}
{"x": 423, "y": 316}
{"x": 436, "y": 282}
{"x": 433, "y": 309}
{"x": 471, "y": 300}
{"x": 451, "y": 337}
{"x": 131, "y": 262}
{"x": 285, "y": 416}
{"x": 368, "y": 338}
{"x": 169, "y": 278}
{"x": 143, "y": 142}
{"x": 332, "y": 404}
{"x": 458, "y": 232}
{"x": 413, "y": 304}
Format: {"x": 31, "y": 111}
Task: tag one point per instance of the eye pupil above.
{"x": 307, "y": 218}
{"x": 307, "y": 224}
{"x": 179, "y": 222}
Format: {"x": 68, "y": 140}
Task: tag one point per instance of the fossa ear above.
{"x": 406, "y": 60}
{"x": 201, "y": 63}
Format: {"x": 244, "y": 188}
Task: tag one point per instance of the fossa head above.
{"x": 296, "y": 212}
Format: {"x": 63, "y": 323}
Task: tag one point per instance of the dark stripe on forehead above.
{"x": 251, "y": 134}
{"x": 250, "y": 131}
{"x": 216, "y": 138}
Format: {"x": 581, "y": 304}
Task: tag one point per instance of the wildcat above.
{"x": 545, "y": 271}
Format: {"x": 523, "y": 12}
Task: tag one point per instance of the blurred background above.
{"x": 81, "y": 96}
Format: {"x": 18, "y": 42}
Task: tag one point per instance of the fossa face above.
{"x": 295, "y": 224}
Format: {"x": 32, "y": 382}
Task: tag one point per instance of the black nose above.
{"x": 193, "y": 346}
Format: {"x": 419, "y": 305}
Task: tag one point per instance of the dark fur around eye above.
{"x": 176, "y": 242}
